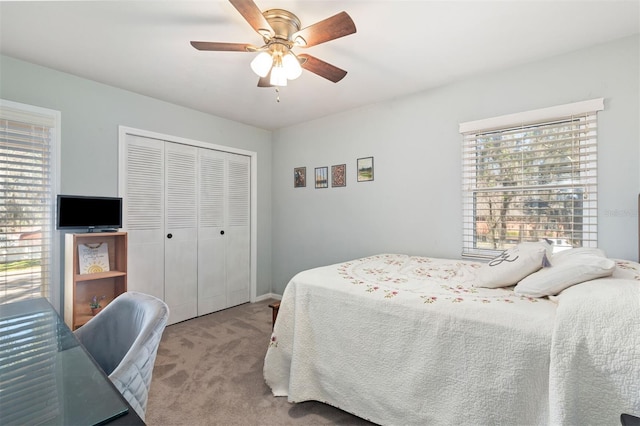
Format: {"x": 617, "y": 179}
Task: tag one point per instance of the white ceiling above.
{"x": 400, "y": 47}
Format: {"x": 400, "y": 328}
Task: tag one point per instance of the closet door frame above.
{"x": 123, "y": 131}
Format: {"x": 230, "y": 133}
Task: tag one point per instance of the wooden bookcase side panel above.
{"x": 80, "y": 288}
{"x": 120, "y": 256}
{"x": 69, "y": 278}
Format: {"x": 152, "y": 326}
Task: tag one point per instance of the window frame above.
{"x": 472, "y": 132}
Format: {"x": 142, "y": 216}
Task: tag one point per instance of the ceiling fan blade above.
{"x": 223, "y": 47}
{"x": 252, "y": 14}
{"x": 337, "y": 26}
{"x": 321, "y": 68}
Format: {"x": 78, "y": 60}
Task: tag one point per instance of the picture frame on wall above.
{"x": 338, "y": 175}
{"x": 299, "y": 177}
{"x": 322, "y": 177}
{"x": 365, "y": 169}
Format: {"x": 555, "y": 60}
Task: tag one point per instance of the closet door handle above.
{"x": 221, "y": 232}
{"x": 169, "y": 236}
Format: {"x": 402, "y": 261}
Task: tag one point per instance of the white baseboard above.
{"x": 267, "y": 297}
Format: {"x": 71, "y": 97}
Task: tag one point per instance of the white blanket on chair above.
{"x": 595, "y": 353}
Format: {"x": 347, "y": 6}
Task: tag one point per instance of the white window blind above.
{"x": 531, "y": 177}
{"x": 27, "y": 137}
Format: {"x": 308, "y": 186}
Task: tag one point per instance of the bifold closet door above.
{"x": 187, "y": 211}
{"x": 144, "y": 186}
{"x": 212, "y": 290}
{"x": 223, "y": 232}
{"x": 181, "y": 229}
{"x": 237, "y": 243}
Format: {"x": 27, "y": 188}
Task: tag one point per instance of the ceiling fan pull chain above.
{"x": 277, "y": 95}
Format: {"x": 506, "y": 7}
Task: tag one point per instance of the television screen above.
{"x": 75, "y": 211}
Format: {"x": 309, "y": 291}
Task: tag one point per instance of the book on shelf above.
{"x": 93, "y": 258}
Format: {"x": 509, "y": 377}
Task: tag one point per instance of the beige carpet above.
{"x": 209, "y": 372}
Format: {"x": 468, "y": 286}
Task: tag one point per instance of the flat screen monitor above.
{"x": 77, "y": 212}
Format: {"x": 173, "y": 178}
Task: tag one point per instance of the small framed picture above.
{"x": 299, "y": 177}
{"x": 365, "y": 169}
{"x": 322, "y": 178}
{"x": 338, "y": 173}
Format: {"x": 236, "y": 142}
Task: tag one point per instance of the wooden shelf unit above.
{"x": 80, "y": 288}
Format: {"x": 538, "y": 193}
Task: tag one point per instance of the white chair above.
{"x": 123, "y": 339}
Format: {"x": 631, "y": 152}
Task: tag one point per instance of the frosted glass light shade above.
{"x": 291, "y": 66}
{"x": 261, "y": 64}
{"x": 278, "y": 76}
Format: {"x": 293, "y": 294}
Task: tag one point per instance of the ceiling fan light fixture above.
{"x": 278, "y": 75}
{"x": 292, "y": 66}
{"x": 261, "y": 64}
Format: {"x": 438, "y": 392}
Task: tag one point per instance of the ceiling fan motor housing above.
{"x": 284, "y": 25}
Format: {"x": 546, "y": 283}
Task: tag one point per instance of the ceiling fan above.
{"x": 280, "y": 29}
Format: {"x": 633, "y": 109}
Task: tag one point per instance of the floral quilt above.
{"x": 433, "y": 280}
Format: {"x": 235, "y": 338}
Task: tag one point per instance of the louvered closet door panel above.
{"x": 237, "y": 234}
{"x": 212, "y": 294}
{"x": 181, "y": 228}
{"x": 143, "y": 214}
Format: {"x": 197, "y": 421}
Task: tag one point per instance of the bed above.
{"x": 399, "y": 339}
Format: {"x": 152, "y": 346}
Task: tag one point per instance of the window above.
{"x": 530, "y": 177}
{"x": 27, "y": 187}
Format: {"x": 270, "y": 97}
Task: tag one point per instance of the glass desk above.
{"x": 47, "y": 377}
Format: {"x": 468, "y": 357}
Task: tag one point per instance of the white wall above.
{"x": 91, "y": 114}
{"x": 414, "y": 203}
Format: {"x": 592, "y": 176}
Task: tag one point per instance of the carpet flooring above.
{"x": 209, "y": 372}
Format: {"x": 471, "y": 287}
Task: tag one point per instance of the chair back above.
{"x": 123, "y": 339}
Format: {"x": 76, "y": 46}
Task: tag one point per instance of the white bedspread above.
{"x": 595, "y": 353}
{"x": 398, "y": 339}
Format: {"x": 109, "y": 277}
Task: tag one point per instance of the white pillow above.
{"x": 513, "y": 265}
{"x": 567, "y": 268}
{"x": 576, "y": 252}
